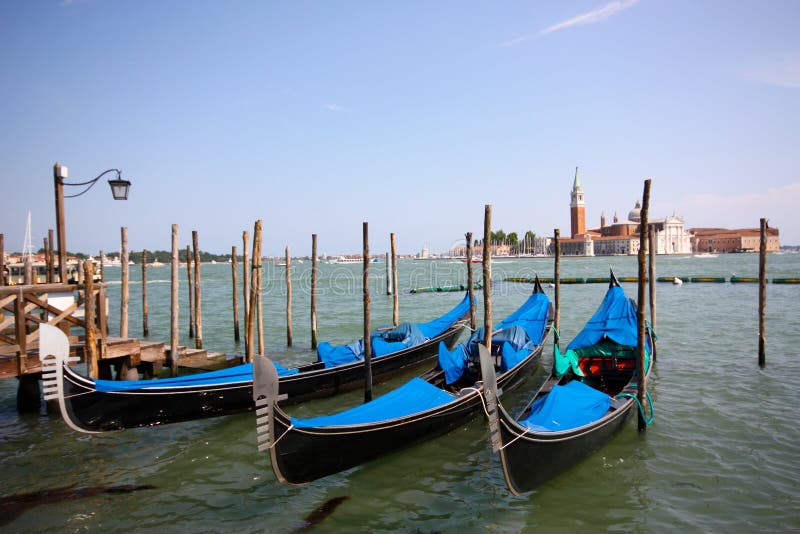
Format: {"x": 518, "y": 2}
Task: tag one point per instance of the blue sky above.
{"x": 316, "y": 116}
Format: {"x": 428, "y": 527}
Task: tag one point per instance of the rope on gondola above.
{"x": 647, "y": 420}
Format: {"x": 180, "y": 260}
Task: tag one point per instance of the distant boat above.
{"x": 343, "y": 259}
{"x": 156, "y": 263}
{"x": 705, "y": 255}
{"x": 213, "y": 262}
{"x": 677, "y": 281}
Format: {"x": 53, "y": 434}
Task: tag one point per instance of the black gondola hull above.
{"x": 94, "y": 411}
{"x": 302, "y": 455}
{"x": 533, "y": 459}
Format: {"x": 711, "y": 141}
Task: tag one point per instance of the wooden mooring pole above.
{"x": 641, "y": 390}
{"x": 124, "y": 299}
{"x": 145, "y": 327}
{"x": 487, "y": 276}
{"x": 470, "y": 283}
{"x": 174, "y": 302}
{"x": 246, "y": 288}
{"x": 3, "y": 261}
{"x": 288, "y": 298}
{"x": 762, "y": 296}
{"x": 190, "y": 291}
{"x": 254, "y": 290}
{"x": 92, "y": 361}
{"x": 367, "y": 340}
{"x": 234, "y": 276}
{"x": 198, "y": 309}
{"x": 313, "y": 291}
{"x": 389, "y": 284}
{"x": 51, "y": 262}
{"x": 395, "y": 293}
{"x": 557, "y": 279}
{"x": 651, "y": 280}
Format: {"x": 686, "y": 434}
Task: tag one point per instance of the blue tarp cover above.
{"x": 414, "y": 396}
{"x": 569, "y": 406}
{"x": 238, "y": 373}
{"x": 386, "y": 342}
{"x": 521, "y": 331}
{"x": 615, "y": 318}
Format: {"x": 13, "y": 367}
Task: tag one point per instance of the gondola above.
{"x": 444, "y": 398}
{"x": 89, "y": 405}
{"x": 587, "y": 398}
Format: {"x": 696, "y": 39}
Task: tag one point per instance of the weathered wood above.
{"x": 234, "y": 279}
{"x": 198, "y": 308}
{"x": 288, "y": 298}
{"x": 3, "y": 261}
{"x": 51, "y": 275}
{"x": 125, "y": 295}
{"x": 102, "y": 267}
{"x": 21, "y": 334}
{"x": 470, "y": 283}
{"x": 396, "y": 296}
{"x": 174, "y": 302}
{"x": 557, "y": 279}
{"x": 102, "y": 318}
{"x": 313, "y": 291}
{"x": 93, "y": 367}
{"x": 62, "y": 237}
{"x": 246, "y": 287}
{"x": 190, "y": 291}
{"x": 367, "y": 340}
{"x": 487, "y": 275}
{"x": 145, "y": 327}
{"x": 46, "y": 249}
{"x": 253, "y": 297}
{"x": 651, "y": 277}
{"x": 641, "y": 390}
{"x": 762, "y": 296}
{"x": 389, "y": 284}
{"x": 27, "y": 278}
{"x": 260, "y": 293}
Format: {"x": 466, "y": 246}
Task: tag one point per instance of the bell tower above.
{"x": 577, "y": 207}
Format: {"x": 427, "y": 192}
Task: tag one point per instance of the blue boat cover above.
{"x": 615, "y": 318}
{"x": 414, "y": 396}
{"x": 517, "y": 335}
{"x": 569, "y": 406}
{"x": 385, "y": 342}
{"x": 532, "y": 316}
{"x": 238, "y": 373}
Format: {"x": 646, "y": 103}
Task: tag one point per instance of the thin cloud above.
{"x": 336, "y": 108}
{"x": 781, "y": 71}
{"x": 592, "y": 17}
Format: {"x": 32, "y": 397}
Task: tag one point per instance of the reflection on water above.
{"x": 722, "y": 454}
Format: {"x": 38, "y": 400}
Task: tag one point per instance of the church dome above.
{"x": 635, "y": 214}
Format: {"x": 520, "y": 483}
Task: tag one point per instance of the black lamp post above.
{"x": 119, "y": 189}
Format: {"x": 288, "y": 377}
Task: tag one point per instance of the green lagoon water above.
{"x": 723, "y": 454}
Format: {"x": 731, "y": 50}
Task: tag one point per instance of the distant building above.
{"x": 721, "y": 240}
{"x": 620, "y": 237}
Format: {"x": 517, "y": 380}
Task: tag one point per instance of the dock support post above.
{"x": 395, "y": 295}
{"x": 762, "y": 297}
{"x": 51, "y": 262}
{"x": 254, "y": 290}
{"x": 145, "y": 326}
{"x": 487, "y": 276}
{"x": 29, "y": 394}
{"x": 470, "y": 283}
{"x": 651, "y": 279}
{"x": 288, "y": 298}
{"x": 641, "y": 390}
{"x": 557, "y": 278}
{"x": 124, "y": 299}
{"x": 389, "y": 284}
{"x": 260, "y": 289}
{"x": 174, "y": 303}
{"x": 313, "y": 291}
{"x": 234, "y": 276}
{"x": 367, "y": 340}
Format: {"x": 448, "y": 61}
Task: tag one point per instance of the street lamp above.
{"x": 119, "y": 189}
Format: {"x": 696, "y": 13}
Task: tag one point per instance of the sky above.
{"x": 413, "y": 115}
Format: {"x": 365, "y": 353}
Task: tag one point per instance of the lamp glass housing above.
{"x": 119, "y": 189}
